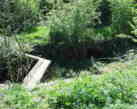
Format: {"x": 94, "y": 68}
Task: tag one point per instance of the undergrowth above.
{"x": 111, "y": 90}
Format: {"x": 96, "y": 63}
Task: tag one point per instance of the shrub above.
{"x": 104, "y": 33}
{"x": 133, "y": 24}
{"x": 13, "y": 65}
{"x": 72, "y": 27}
{"x": 122, "y": 14}
{"x": 105, "y": 10}
{"x": 121, "y": 106}
{"x": 110, "y": 91}
{"x": 48, "y": 5}
{"x": 16, "y": 16}
{"x": 17, "y": 97}
{"x": 70, "y": 24}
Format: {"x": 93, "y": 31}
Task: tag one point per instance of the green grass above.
{"x": 36, "y": 35}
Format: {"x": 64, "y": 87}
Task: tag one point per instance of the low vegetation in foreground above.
{"x": 111, "y": 90}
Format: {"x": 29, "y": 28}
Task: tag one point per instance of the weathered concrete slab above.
{"x": 36, "y": 73}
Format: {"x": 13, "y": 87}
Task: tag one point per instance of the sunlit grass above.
{"x": 36, "y": 35}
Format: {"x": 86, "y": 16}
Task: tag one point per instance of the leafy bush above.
{"x": 16, "y": 16}
{"x": 13, "y": 65}
{"x": 122, "y": 14}
{"x": 17, "y": 97}
{"x": 115, "y": 16}
{"x": 70, "y": 24}
{"x": 104, "y": 32}
{"x": 48, "y": 5}
{"x": 109, "y": 91}
{"x": 133, "y": 24}
{"x": 80, "y": 20}
{"x": 105, "y": 10}
{"x": 121, "y": 106}
{"x": 33, "y": 4}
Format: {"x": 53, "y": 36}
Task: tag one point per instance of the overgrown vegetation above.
{"x": 122, "y": 14}
{"x": 113, "y": 90}
{"x": 16, "y": 16}
{"x": 80, "y": 37}
{"x": 70, "y": 30}
{"x": 14, "y": 64}
{"x": 97, "y": 93}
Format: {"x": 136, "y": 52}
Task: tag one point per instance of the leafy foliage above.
{"x": 107, "y": 91}
{"x": 134, "y": 25}
{"x": 17, "y": 98}
{"x": 115, "y": 90}
{"x": 105, "y": 10}
{"x": 122, "y": 14}
{"x": 13, "y": 65}
{"x": 16, "y": 16}
{"x": 47, "y": 5}
{"x": 69, "y": 25}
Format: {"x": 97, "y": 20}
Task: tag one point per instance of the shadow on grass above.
{"x": 78, "y": 57}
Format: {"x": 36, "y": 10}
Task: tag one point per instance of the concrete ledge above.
{"x": 36, "y": 73}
